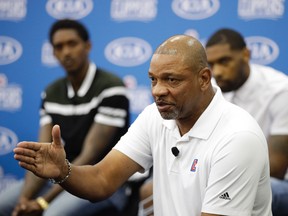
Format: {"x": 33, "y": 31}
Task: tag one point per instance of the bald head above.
{"x": 189, "y": 48}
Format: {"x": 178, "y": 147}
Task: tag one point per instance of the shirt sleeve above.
{"x": 45, "y": 118}
{"x": 279, "y": 114}
{"x": 237, "y": 170}
{"x": 113, "y": 108}
{"x": 135, "y": 143}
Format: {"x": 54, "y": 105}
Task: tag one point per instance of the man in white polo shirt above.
{"x": 219, "y": 160}
{"x": 263, "y": 92}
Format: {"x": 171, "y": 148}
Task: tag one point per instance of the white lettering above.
{"x": 10, "y": 98}
{"x": 195, "y": 9}
{"x": 134, "y": 9}
{"x": 261, "y": 9}
{"x": 13, "y": 9}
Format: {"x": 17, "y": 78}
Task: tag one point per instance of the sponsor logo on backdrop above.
{"x": 10, "y": 50}
{"x": 10, "y": 95}
{"x": 263, "y": 50}
{"x": 195, "y": 9}
{"x": 133, "y": 10}
{"x": 8, "y": 140}
{"x": 264, "y": 9}
{"x": 194, "y": 33}
{"x": 139, "y": 96}
{"x": 47, "y": 57}
{"x": 13, "y": 9}
{"x": 75, "y": 9}
{"x": 128, "y": 51}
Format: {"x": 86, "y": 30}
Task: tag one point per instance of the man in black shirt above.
{"x": 92, "y": 108}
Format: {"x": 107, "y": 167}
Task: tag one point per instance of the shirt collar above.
{"x": 85, "y": 84}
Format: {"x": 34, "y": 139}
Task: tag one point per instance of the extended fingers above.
{"x": 19, "y": 151}
{"x": 29, "y": 145}
{"x": 25, "y": 158}
{"x": 28, "y": 163}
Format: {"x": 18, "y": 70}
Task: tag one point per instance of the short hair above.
{"x": 69, "y": 24}
{"x": 227, "y": 36}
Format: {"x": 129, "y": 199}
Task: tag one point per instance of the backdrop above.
{"x": 124, "y": 34}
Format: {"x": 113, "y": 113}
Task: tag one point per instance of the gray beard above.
{"x": 169, "y": 115}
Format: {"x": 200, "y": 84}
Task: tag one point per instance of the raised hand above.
{"x": 46, "y": 160}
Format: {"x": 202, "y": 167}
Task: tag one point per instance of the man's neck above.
{"x": 76, "y": 79}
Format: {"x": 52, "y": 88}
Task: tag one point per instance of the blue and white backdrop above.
{"x": 124, "y": 34}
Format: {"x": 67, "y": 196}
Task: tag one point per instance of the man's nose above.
{"x": 66, "y": 50}
{"x": 217, "y": 70}
{"x": 159, "y": 89}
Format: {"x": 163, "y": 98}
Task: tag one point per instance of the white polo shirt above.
{"x": 222, "y": 167}
{"x": 265, "y": 96}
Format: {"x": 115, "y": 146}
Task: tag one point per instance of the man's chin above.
{"x": 167, "y": 115}
{"x": 71, "y": 71}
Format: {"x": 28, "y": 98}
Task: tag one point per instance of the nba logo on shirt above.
{"x": 193, "y": 167}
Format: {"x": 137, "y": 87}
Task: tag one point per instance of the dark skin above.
{"x": 182, "y": 89}
{"x": 146, "y": 190}
{"x": 72, "y": 53}
{"x": 278, "y": 153}
{"x": 231, "y": 70}
{"x": 230, "y": 67}
{"x": 176, "y": 92}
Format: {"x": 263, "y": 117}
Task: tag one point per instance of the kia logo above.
{"x": 8, "y": 140}
{"x": 195, "y": 9}
{"x": 75, "y": 9}
{"x": 10, "y": 50}
{"x": 263, "y": 50}
{"x": 128, "y": 51}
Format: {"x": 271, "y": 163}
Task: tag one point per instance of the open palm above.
{"x": 46, "y": 160}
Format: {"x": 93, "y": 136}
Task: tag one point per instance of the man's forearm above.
{"x": 31, "y": 186}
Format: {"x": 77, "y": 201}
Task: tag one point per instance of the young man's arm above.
{"x": 278, "y": 155}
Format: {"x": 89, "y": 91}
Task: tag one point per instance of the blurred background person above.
{"x": 263, "y": 92}
{"x": 91, "y": 106}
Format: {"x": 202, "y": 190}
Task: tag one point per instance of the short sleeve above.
{"x": 136, "y": 143}
{"x": 279, "y": 114}
{"x": 113, "y": 109}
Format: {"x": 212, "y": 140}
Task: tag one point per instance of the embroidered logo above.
{"x": 193, "y": 167}
{"x": 225, "y": 196}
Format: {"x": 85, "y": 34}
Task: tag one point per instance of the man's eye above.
{"x": 172, "y": 80}
{"x": 224, "y": 61}
{"x": 72, "y": 43}
{"x": 210, "y": 65}
{"x": 57, "y": 47}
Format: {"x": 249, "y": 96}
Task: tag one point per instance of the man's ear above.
{"x": 204, "y": 77}
{"x": 246, "y": 55}
{"x": 53, "y": 51}
{"x": 88, "y": 45}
